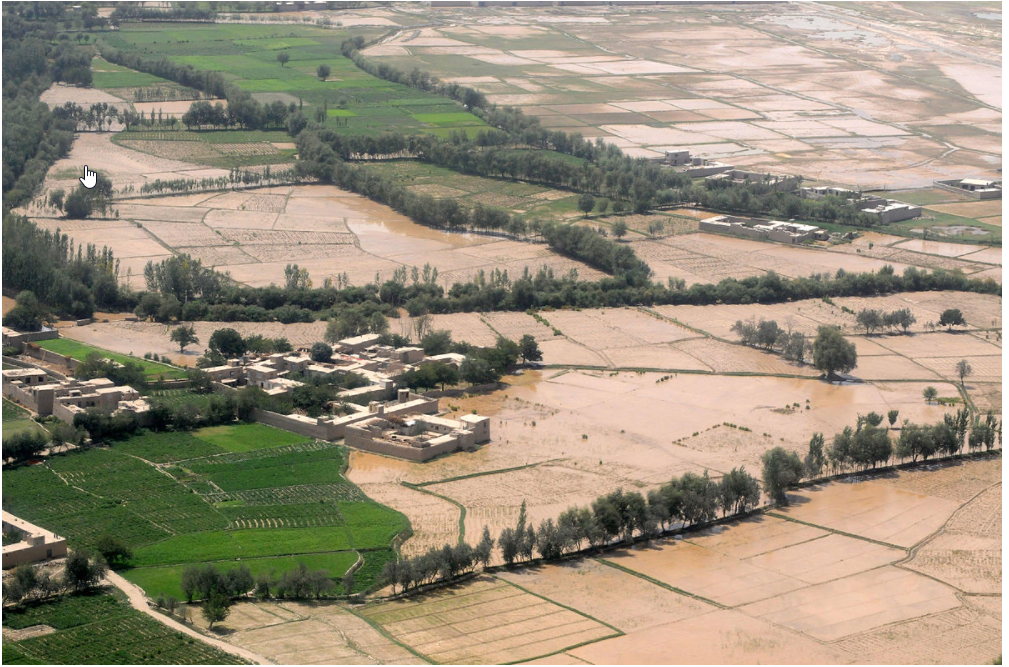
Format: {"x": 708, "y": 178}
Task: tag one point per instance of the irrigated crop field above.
{"x": 97, "y": 629}
{"x": 240, "y": 492}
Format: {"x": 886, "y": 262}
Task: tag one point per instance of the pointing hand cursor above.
{"x": 90, "y": 178}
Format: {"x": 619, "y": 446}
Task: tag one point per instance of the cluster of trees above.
{"x": 438, "y": 565}
{"x": 201, "y": 113}
{"x": 242, "y": 109}
{"x": 234, "y": 178}
{"x": 766, "y": 334}
{"x": 832, "y": 353}
{"x": 873, "y": 319}
{"x": 23, "y": 445}
{"x": 29, "y": 583}
{"x": 63, "y": 277}
{"x": 217, "y": 589}
{"x": 98, "y": 115}
{"x": 869, "y": 444}
{"x": 227, "y": 343}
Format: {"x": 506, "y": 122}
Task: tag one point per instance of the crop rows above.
{"x": 168, "y": 447}
{"x": 290, "y": 495}
{"x": 132, "y": 639}
{"x": 265, "y": 454}
{"x": 139, "y": 488}
{"x": 284, "y": 516}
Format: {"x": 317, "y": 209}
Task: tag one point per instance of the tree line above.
{"x": 692, "y": 499}
{"x": 33, "y": 136}
{"x": 81, "y": 572}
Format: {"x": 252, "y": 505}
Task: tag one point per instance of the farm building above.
{"x": 418, "y": 438}
{"x": 977, "y": 188}
{"x": 893, "y": 211}
{"x": 64, "y": 399}
{"x": 758, "y": 228}
{"x": 36, "y": 544}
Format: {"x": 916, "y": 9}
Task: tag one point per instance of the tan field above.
{"x": 818, "y": 90}
{"x": 847, "y": 572}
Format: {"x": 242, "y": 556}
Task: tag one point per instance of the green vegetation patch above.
{"x": 265, "y": 468}
{"x": 100, "y": 630}
{"x": 449, "y": 118}
{"x": 247, "y": 437}
{"x": 168, "y": 447}
{"x": 13, "y": 411}
{"x": 107, "y": 75}
{"x": 340, "y": 113}
{"x": 165, "y": 580}
{"x": 253, "y": 543}
{"x": 80, "y": 351}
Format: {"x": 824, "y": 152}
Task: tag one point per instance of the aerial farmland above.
{"x": 708, "y": 296}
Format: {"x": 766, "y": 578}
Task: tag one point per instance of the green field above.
{"x": 247, "y": 55}
{"x": 247, "y": 437}
{"x": 526, "y": 198}
{"x": 99, "y": 629}
{"x": 79, "y": 351}
{"x": 13, "y": 412}
{"x": 106, "y": 75}
{"x": 208, "y": 496}
{"x": 17, "y": 419}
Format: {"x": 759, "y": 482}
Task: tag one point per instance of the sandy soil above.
{"x": 835, "y": 75}
{"x": 486, "y": 621}
{"x": 835, "y": 577}
{"x": 306, "y": 633}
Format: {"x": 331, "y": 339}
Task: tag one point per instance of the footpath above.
{"x": 139, "y": 602}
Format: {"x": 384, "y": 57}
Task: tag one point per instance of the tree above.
{"x": 963, "y": 369}
{"x": 484, "y": 549}
{"x": 81, "y": 571}
{"x": 184, "y": 336}
{"x": 216, "y": 608}
{"x": 619, "y": 228}
{"x": 952, "y": 317}
{"x": 321, "y": 353}
{"x": 509, "y": 545}
{"x": 832, "y": 353}
{"x": 529, "y": 349}
{"x": 815, "y": 459}
{"x": 870, "y": 319}
{"x": 436, "y": 342}
{"x": 892, "y": 416}
{"x": 782, "y": 469}
{"x": 929, "y": 394}
{"x": 78, "y": 205}
{"x": 477, "y": 371}
{"x": 322, "y": 71}
{"x": 283, "y": 57}
{"x": 28, "y": 314}
{"x": 586, "y": 202}
{"x": 113, "y": 550}
{"x": 602, "y": 206}
{"x": 227, "y": 342}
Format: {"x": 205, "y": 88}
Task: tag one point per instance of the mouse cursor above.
{"x": 90, "y": 178}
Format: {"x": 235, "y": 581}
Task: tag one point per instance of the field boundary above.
{"x": 617, "y": 632}
{"x": 462, "y": 508}
{"x": 661, "y": 584}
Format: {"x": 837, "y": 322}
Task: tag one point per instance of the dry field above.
{"x": 321, "y": 633}
{"x": 485, "y": 621}
{"x": 709, "y": 258}
{"x": 838, "y": 576}
{"x": 819, "y": 90}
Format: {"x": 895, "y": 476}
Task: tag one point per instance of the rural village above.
{"x": 502, "y": 332}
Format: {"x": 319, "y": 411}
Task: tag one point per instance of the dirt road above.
{"x": 139, "y": 602}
